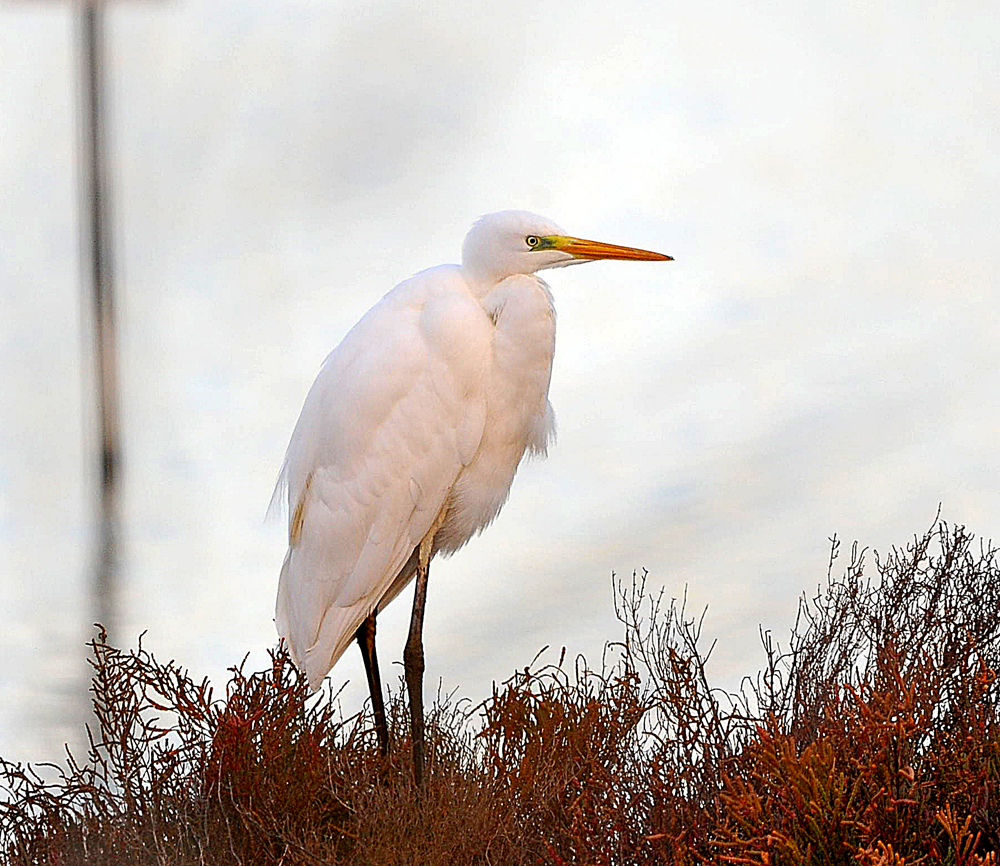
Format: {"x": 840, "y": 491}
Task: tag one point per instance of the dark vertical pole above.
{"x": 97, "y": 266}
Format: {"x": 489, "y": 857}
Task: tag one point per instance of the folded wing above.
{"x": 395, "y": 413}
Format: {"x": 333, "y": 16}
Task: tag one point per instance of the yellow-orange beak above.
{"x": 592, "y": 250}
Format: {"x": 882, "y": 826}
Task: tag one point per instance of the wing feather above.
{"x": 395, "y": 413}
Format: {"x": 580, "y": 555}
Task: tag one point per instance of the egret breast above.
{"x": 518, "y": 415}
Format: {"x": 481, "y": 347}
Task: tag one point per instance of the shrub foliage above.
{"x": 870, "y": 738}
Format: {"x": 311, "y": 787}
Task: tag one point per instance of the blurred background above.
{"x": 821, "y": 358}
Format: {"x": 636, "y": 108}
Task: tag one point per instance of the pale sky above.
{"x": 820, "y": 358}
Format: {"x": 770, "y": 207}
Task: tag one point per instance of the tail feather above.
{"x": 314, "y": 650}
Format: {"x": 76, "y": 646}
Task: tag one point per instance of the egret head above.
{"x": 517, "y": 242}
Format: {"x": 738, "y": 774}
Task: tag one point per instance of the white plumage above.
{"x": 424, "y": 411}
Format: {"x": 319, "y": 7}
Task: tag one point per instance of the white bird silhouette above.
{"x": 410, "y": 437}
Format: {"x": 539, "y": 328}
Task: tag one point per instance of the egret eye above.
{"x": 532, "y": 241}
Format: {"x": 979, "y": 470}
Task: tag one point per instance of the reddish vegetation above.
{"x": 871, "y": 739}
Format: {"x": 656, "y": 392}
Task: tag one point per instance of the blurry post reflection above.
{"x": 97, "y": 261}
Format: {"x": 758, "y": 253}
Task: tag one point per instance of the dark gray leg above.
{"x": 366, "y": 640}
{"x": 413, "y": 666}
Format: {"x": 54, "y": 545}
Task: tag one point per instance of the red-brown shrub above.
{"x": 872, "y": 738}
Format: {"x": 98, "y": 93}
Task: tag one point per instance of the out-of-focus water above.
{"x": 820, "y": 358}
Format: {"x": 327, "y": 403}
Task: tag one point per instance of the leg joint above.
{"x": 413, "y": 655}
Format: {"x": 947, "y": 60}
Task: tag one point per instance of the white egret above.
{"x": 409, "y": 439}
